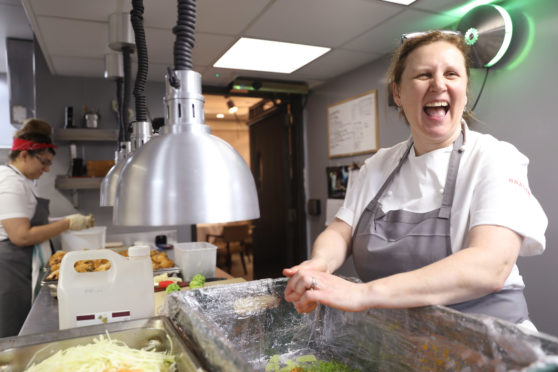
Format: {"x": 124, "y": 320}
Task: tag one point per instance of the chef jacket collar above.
{"x": 464, "y": 129}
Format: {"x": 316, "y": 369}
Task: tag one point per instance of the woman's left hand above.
{"x": 307, "y": 288}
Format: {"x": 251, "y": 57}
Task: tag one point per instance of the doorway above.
{"x": 274, "y": 139}
{"x": 276, "y": 152}
{"x": 234, "y": 253}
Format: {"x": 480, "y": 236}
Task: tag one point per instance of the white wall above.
{"x": 6, "y": 129}
{"x": 518, "y": 105}
{"x": 56, "y": 92}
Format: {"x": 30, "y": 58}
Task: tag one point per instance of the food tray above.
{"x": 16, "y": 352}
{"x": 239, "y": 327}
{"x": 170, "y": 271}
{"x": 53, "y": 283}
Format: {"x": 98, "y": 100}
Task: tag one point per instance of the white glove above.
{"x": 80, "y": 221}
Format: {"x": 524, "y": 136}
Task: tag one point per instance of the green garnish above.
{"x": 172, "y": 287}
{"x": 306, "y": 363}
{"x": 197, "y": 281}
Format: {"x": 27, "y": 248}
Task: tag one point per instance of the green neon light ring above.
{"x": 471, "y": 36}
{"x": 508, "y": 28}
{"x": 528, "y": 44}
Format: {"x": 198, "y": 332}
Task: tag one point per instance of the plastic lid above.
{"x": 139, "y": 251}
{"x": 95, "y": 230}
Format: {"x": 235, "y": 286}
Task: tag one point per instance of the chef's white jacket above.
{"x": 491, "y": 189}
{"x": 17, "y": 196}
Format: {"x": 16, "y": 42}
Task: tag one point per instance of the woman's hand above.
{"x": 316, "y": 264}
{"x": 79, "y": 221}
{"x": 307, "y": 288}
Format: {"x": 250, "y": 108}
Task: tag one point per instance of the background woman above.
{"x": 24, "y": 222}
{"x": 438, "y": 219}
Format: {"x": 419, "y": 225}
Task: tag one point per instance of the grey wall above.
{"x": 518, "y": 106}
{"x": 56, "y": 92}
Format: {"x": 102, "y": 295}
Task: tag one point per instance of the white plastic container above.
{"x": 92, "y": 238}
{"x": 123, "y": 292}
{"x": 195, "y": 258}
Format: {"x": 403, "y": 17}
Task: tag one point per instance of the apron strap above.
{"x": 390, "y": 177}
{"x": 451, "y": 178}
{"x": 374, "y": 205}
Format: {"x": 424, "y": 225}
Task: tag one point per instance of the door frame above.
{"x": 294, "y": 105}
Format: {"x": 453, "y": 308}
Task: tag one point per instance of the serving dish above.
{"x": 158, "y": 333}
{"x": 244, "y": 327}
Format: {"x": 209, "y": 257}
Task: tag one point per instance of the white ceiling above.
{"x": 73, "y": 34}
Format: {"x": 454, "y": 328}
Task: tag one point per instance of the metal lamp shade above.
{"x": 109, "y": 183}
{"x": 186, "y": 176}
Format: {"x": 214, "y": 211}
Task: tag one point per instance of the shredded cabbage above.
{"x": 105, "y": 355}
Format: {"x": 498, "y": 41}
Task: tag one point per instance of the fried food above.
{"x": 53, "y": 275}
{"x": 159, "y": 260}
{"x": 83, "y": 266}
{"x": 102, "y": 265}
{"x": 56, "y": 258}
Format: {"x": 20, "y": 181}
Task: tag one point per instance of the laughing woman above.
{"x": 24, "y": 221}
{"x": 438, "y": 219}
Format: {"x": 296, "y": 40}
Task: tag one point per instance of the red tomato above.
{"x": 165, "y": 283}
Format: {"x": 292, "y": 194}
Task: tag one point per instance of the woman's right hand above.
{"x": 313, "y": 264}
{"x": 80, "y": 221}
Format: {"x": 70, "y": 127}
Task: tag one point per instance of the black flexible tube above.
{"x": 141, "y": 76}
{"x": 119, "y": 82}
{"x": 126, "y": 53}
{"x": 185, "y": 34}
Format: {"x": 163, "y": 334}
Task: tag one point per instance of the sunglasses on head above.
{"x": 412, "y": 35}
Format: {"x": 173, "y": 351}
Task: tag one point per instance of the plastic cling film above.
{"x": 239, "y": 327}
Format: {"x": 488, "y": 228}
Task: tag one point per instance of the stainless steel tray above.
{"x": 239, "y": 327}
{"x": 17, "y": 352}
{"x": 171, "y": 271}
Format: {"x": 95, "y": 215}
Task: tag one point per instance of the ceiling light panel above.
{"x": 402, "y": 2}
{"x": 270, "y": 56}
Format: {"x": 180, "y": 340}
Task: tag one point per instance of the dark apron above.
{"x": 399, "y": 241}
{"x": 15, "y": 277}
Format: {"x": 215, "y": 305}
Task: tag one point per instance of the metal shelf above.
{"x": 85, "y": 134}
{"x": 77, "y": 183}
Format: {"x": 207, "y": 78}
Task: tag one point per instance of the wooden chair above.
{"x": 234, "y": 237}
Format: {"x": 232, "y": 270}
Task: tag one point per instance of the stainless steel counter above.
{"x": 43, "y": 316}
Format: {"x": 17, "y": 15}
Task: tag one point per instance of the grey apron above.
{"x": 399, "y": 241}
{"x": 15, "y": 277}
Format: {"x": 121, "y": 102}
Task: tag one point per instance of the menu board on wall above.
{"x": 353, "y": 126}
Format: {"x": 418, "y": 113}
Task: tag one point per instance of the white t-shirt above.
{"x": 491, "y": 189}
{"x": 17, "y": 196}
